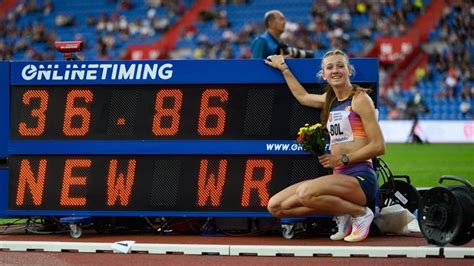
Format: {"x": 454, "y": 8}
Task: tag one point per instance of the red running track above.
{"x": 108, "y": 258}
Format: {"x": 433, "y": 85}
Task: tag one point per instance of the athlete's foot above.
{"x": 360, "y": 226}
{"x": 343, "y": 227}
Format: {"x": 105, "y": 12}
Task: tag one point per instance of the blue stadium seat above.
{"x": 239, "y": 15}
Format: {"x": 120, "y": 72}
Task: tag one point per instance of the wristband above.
{"x": 284, "y": 69}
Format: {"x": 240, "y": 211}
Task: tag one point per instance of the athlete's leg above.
{"x": 286, "y": 198}
{"x": 334, "y": 194}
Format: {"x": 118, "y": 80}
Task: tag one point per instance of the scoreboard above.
{"x": 154, "y": 138}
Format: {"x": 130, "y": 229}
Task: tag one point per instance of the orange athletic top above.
{"x": 352, "y": 118}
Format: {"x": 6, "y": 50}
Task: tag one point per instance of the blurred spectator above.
{"x": 153, "y": 3}
{"x": 395, "y": 102}
{"x": 125, "y": 5}
{"x": 63, "y": 20}
{"x": 221, "y": 21}
{"x": 465, "y": 108}
{"x": 420, "y": 73}
{"x": 467, "y": 95}
{"x": 47, "y": 7}
{"x": 231, "y": 2}
{"x": 451, "y": 82}
{"x": 91, "y": 20}
{"x": 418, "y": 6}
{"x": 416, "y": 107}
{"x": 269, "y": 43}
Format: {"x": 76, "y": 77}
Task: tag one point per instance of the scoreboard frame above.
{"x": 220, "y": 80}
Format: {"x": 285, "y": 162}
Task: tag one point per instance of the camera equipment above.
{"x": 298, "y": 53}
{"x": 446, "y": 213}
{"x": 68, "y": 48}
{"x": 295, "y": 52}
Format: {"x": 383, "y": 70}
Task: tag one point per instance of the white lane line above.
{"x": 338, "y": 251}
{"x": 242, "y": 250}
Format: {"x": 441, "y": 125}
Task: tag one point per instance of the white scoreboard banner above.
{"x": 434, "y": 131}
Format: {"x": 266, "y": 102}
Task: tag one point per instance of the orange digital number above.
{"x": 38, "y": 113}
{"x": 171, "y": 112}
{"x": 73, "y": 111}
{"x": 206, "y": 111}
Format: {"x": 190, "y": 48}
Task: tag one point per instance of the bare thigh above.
{"x": 342, "y": 186}
{"x": 287, "y": 192}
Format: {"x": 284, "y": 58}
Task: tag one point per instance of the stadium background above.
{"x": 437, "y": 64}
{"x": 424, "y": 46}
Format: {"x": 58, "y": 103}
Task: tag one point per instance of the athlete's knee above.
{"x": 278, "y": 208}
{"x": 274, "y": 206}
{"x": 305, "y": 193}
{"x": 276, "y": 211}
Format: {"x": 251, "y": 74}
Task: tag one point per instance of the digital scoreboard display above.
{"x": 150, "y": 183}
{"x": 132, "y": 138}
{"x": 156, "y": 112}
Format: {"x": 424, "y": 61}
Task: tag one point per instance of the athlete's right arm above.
{"x": 300, "y": 93}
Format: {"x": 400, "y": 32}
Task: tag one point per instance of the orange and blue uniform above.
{"x": 343, "y": 125}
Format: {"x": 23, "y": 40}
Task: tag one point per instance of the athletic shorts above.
{"x": 365, "y": 174}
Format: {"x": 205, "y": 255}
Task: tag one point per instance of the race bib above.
{"x": 339, "y": 127}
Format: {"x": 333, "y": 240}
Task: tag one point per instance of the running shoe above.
{"x": 343, "y": 227}
{"x": 360, "y": 226}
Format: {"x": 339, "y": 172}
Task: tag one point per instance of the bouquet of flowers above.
{"x": 313, "y": 138}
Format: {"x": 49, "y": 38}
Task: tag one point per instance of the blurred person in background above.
{"x": 465, "y": 107}
{"x": 355, "y": 138}
{"x": 269, "y": 43}
{"x": 415, "y": 107}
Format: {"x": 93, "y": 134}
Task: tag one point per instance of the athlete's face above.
{"x": 336, "y": 70}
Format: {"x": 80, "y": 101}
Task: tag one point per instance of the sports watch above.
{"x": 344, "y": 159}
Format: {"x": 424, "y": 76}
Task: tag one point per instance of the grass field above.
{"x": 12, "y": 221}
{"x": 426, "y": 163}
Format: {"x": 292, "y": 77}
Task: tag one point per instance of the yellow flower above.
{"x": 316, "y": 126}
{"x": 313, "y": 138}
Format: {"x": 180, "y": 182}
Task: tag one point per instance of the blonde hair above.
{"x": 336, "y": 52}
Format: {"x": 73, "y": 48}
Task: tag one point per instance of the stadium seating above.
{"x": 210, "y": 40}
{"x": 79, "y": 28}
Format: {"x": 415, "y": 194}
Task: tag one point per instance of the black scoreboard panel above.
{"x": 158, "y": 112}
{"x": 152, "y": 112}
{"x": 151, "y": 183}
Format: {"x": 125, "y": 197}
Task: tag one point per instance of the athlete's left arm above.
{"x": 363, "y": 105}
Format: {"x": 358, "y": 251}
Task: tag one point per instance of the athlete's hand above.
{"x": 276, "y": 61}
{"x": 329, "y": 160}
